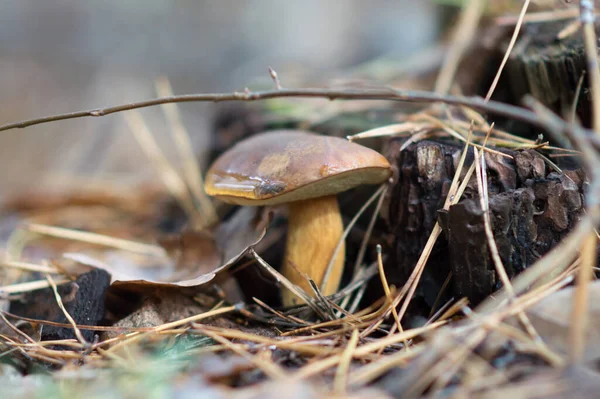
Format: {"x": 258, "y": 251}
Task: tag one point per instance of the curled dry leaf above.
{"x": 198, "y": 256}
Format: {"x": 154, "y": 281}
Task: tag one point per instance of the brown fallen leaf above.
{"x": 551, "y": 317}
{"x": 576, "y": 382}
{"x": 199, "y": 257}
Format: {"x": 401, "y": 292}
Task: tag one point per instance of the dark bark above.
{"x": 83, "y": 299}
{"x": 532, "y": 209}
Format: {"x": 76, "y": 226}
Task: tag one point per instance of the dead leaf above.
{"x": 551, "y": 317}
{"x": 197, "y": 253}
{"x": 576, "y": 382}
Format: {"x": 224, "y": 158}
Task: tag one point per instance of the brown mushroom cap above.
{"x": 282, "y": 166}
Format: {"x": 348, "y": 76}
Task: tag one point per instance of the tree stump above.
{"x": 532, "y": 208}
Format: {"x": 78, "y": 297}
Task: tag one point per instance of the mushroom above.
{"x": 305, "y": 171}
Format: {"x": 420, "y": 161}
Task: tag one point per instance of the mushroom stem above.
{"x": 314, "y": 230}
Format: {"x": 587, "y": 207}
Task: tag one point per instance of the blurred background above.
{"x": 60, "y": 56}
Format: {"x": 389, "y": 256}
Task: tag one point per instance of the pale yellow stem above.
{"x": 315, "y": 228}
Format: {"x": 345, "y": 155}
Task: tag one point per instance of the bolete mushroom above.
{"x": 305, "y": 171}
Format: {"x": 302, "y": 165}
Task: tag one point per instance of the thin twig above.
{"x": 386, "y": 93}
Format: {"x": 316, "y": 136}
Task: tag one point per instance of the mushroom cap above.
{"x": 283, "y": 166}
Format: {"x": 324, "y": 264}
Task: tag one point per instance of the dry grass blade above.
{"x": 579, "y": 314}
{"x": 361, "y": 255}
{"x": 300, "y": 344}
{"x": 376, "y": 369}
{"x": 29, "y": 286}
{"x": 16, "y": 330}
{"x": 30, "y": 267}
{"x": 169, "y": 175}
{"x": 268, "y": 367}
{"x": 351, "y": 224}
{"x": 321, "y": 300}
{"x": 453, "y": 197}
{"x": 97, "y": 239}
{"x": 511, "y": 44}
{"x": 452, "y": 132}
{"x": 363, "y": 245}
{"x": 390, "y": 130}
{"x": 299, "y": 292}
{"x": 576, "y": 96}
{"x": 386, "y": 290}
{"x": 466, "y": 27}
{"x": 137, "y": 336}
{"x": 591, "y": 49}
{"x": 540, "y": 16}
{"x": 445, "y": 369}
{"x": 364, "y": 350}
{"x": 589, "y": 247}
{"x": 487, "y": 224}
{"x": 341, "y": 374}
{"x": 278, "y": 314}
{"x": 191, "y": 167}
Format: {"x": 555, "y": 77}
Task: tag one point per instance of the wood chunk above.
{"x": 532, "y": 209}
{"x": 421, "y": 183}
{"x": 83, "y": 299}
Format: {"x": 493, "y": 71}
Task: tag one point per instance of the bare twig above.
{"x": 386, "y": 93}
